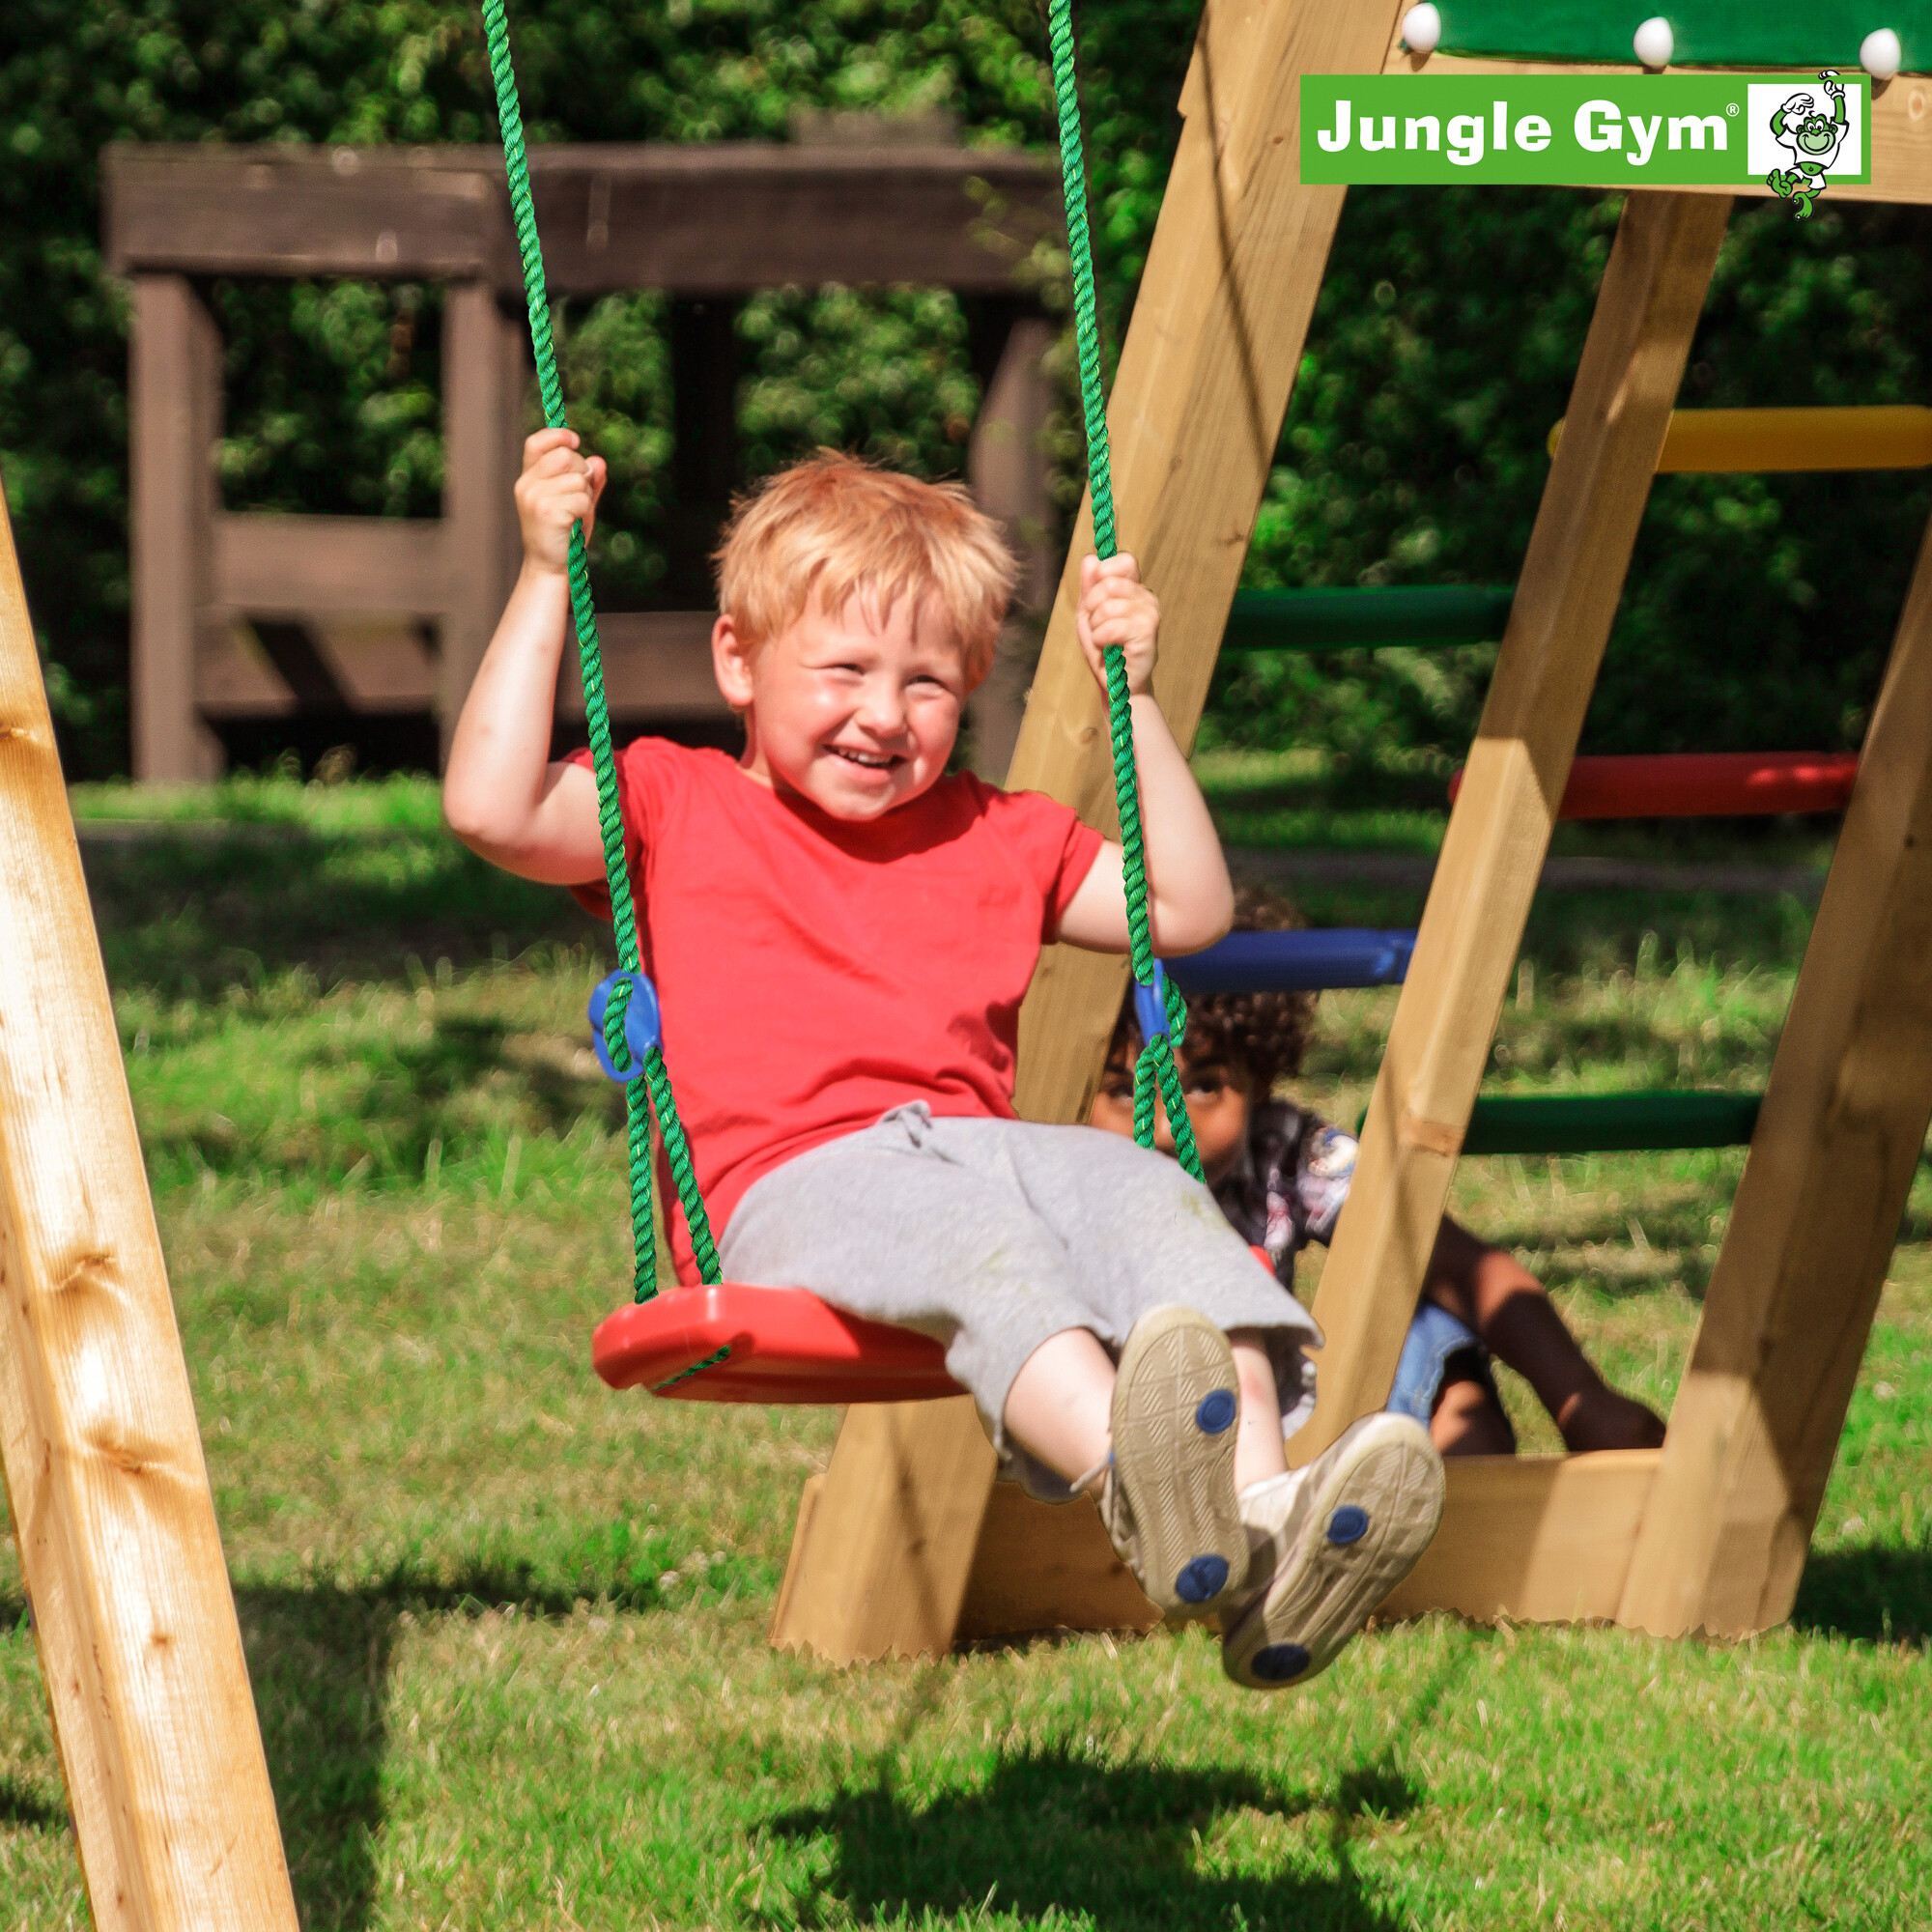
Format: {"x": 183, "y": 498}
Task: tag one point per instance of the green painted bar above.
{"x": 1659, "y": 1121}
{"x": 1337, "y": 620}
{"x": 1709, "y": 33}
{"x": 1610, "y": 1123}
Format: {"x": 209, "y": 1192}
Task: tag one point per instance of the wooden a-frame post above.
{"x": 134, "y": 1616}
{"x": 898, "y": 1547}
{"x": 885, "y": 1548}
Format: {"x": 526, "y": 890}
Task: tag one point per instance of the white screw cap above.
{"x": 1422, "y": 30}
{"x": 1654, "y": 43}
{"x": 1880, "y": 54}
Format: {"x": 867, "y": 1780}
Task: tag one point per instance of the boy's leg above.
{"x": 913, "y": 1222}
{"x": 1508, "y": 1308}
{"x": 1260, "y": 1452}
{"x": 1141, "y": 1234}
{"x": 1059, "y": 1406}
{"x": 881, "y": 1225}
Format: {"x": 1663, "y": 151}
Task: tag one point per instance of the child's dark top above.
{"x": 1288, "y": 1187}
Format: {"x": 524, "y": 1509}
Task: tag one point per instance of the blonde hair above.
{"x": 833, "y": 526}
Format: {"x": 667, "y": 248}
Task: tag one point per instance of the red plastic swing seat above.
{"x": 787, "y": 1346}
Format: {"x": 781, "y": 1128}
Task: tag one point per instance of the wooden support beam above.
{"x": 485, "y": 376}
{"x": 1498, "y": 832}
{"x": 417, "y": 214}
{"x": 173, "y": 415}
{"x": 1538, "y": 1539}
{"x": 1007, "y": 466}
{"x": 105, "y": 1484}
{"x": 700, "y": 218}
{"x": 1790, "y": 1300}
{"x": 880, "y": 1560}
{"x": 1205, "y": 374}
{"x": 657, "y": 664}
{"x": 266, "y": 564}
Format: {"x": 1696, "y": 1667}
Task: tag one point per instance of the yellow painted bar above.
{"x": 1721, "y": 442}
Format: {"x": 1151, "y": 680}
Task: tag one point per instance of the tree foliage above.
{"x": 1758, "y": 609}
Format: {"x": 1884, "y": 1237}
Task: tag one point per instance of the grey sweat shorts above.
{"x": 992, "y": 1235}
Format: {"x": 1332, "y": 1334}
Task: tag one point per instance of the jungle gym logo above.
{"x": 1793, "y": 134}
{"x": 1812, "y": 128}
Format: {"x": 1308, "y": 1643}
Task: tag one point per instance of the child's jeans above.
{"x": 992, "y": 1236}
{"x": 1434, "y": 1337}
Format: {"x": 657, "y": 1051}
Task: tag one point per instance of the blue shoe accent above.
{"x": 1349, "y": 1524}
{"x": 1279, "y": 1662}
{"x": 1216, "y": 1413}
{"x": 1204, "y": 1578}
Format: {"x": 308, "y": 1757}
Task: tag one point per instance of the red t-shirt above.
{"x": 814, "y": 973}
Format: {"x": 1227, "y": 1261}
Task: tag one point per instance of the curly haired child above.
{"x": 1281, "y": 1176}
{"x": 841, "y": 935}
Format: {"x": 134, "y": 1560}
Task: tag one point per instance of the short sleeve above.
{"x": 1055, "y": 847}
{"x": 1325, "y": 1166}
{"x": 641, "y": 779}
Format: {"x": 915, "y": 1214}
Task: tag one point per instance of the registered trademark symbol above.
{"x": 1732, "y": 108}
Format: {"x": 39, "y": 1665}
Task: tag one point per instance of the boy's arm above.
{"x": 1190, "y": 899}
{"x": 502, "y": 794}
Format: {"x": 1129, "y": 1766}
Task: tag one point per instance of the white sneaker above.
{"x": 1169, "y": 1502}
{"x": 1329, "y": 1543}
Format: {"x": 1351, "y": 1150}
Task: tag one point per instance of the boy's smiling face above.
{"x": 856, "y": 710}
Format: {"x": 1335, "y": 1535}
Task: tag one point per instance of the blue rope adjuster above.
{"x": 1151, "y": 1005}
{"x": 642, "y": 1026}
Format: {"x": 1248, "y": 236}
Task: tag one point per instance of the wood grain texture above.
{"x": 1901, "y": 125}
{"x": 1204, "y": 375}
{"x": 699, "y": 218}
{"x": 174, "y": 417}
{"x": 268, "y": 564}
{"x": 880, "y": 1567}
{"x": 1045, "y": 1567}
{"x": 1498, "y": 832}
{"x": 1537, "y": 1539}
{"x": 1790, "y": 1305}
{"x": 485, "y": 375}
{"x": 1007, "y": 466}
{"x": 105, "y": 1482}
{"x": 657, "y": 664}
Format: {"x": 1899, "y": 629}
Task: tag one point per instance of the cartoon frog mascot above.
{"x": 1814, "y": 138}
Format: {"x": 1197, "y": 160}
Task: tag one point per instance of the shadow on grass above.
{"x": 22, "y": 1806}
{"x": 1880, "y": 1595}
{"x": 319, "y": 1657}
{"x": 188, "y": 914}
{"x": 1055, "y": 1835}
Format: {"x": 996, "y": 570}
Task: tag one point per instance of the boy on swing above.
{"x": 841, "y": 934}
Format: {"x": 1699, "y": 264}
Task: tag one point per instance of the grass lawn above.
{"x": 507, "y": 1629}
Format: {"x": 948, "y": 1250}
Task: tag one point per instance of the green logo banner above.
{"x": 1796, "y": 133}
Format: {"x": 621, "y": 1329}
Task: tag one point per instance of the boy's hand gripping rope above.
{"x": 1161, "y": 1012}
{"x": 629, "y": 1043}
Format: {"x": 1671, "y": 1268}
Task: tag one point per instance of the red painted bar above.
{"x": 1705, "y": 784}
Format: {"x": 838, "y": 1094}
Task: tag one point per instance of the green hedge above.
{"x": 1442, "y": 348}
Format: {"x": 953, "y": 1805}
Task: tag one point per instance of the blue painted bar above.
{"x": 1296, "y": 962}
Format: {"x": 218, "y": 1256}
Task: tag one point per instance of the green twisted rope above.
{"x": 1156, "y": 1067}
{"x": 653, "y": 1091}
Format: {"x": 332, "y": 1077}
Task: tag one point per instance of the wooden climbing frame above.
{"x": 904, "y": 1545}
{"x": 259, "y": 614}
